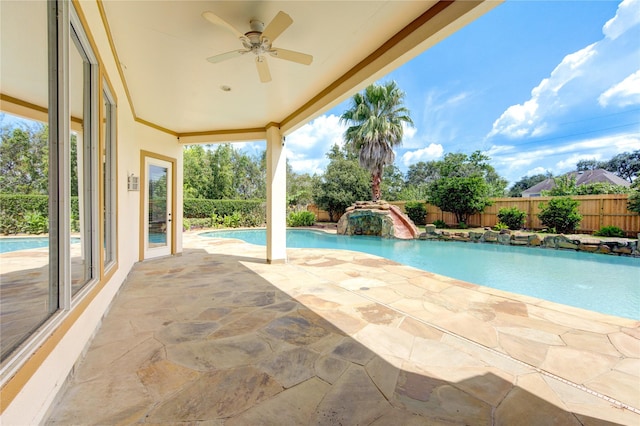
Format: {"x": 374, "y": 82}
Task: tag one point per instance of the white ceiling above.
{"x": 162, "y": 47}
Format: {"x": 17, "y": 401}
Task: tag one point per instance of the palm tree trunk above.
{"x": 375, "y": 186}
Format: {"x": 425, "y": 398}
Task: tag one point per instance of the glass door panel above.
{"x": 158, "y": 208}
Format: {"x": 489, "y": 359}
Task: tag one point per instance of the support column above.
{"x": 276, "y": 196}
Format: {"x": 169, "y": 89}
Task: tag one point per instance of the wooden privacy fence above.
{"x": 597, "y": 211}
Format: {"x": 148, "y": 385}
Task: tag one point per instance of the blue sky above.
{"x": 536, "y": 85}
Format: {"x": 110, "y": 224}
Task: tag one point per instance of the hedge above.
{"x": 201, "y": 208}
{"x": 15, "y": 205}
{"x": 17, "y": 210}
{"x": 14, "y": 208}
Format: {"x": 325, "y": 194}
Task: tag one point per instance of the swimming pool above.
{"x": 14, "y": 244}
{"x": 606, "y": 284}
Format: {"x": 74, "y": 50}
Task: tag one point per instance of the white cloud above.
{"x": 324, "y": 131}
{"x": 440, "y": 120}
{"x": 431, "y": 152}
{"x": 310, "y": 166}
{"x": 595, "y": 73}
{"x": 307, "y": 147}
{"x": 536, "y": 171}
{"x": 408, "y": 131}
{"x": 624, "y": 93}
{"x": 513, "y": 162}
{"x": 570, "y": 162}
{"x": 528, "y": 118}
{"x": 627, "y": 15}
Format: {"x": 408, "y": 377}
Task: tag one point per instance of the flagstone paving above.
{"x": 343, "y": 338}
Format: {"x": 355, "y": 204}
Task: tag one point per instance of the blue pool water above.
{"x": 607, "y": 284}
{"x": 14, "y": 244}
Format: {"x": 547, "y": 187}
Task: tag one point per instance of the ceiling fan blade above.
{"x": 290, "y": 55}
{"x": 263, "y": 69}
{"x": 224, "y": 56}
{"x": 280, "y": 23}
{"x": 216, "y": 20}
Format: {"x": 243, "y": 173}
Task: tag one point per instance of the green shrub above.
{"x": 500, "y": 226}
{"x": 439, "y": 223}
{"x": 35, "y": 223}
{"x": 232, "y": 220}
{"x": 10, "y": 224}
{"x": 512, "y": 217}
{"x": 610, "y": 231}
{"x": 416, "y": 211}
{"x": 561, "y": 214}
{"x": 633, "y": 203}
{"x": 248, "y": 213}
{"x": 462, "y": 225}
{"x": 301, "y": 218}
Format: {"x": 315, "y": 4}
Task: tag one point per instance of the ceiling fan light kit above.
{"x": 259, "y": 42}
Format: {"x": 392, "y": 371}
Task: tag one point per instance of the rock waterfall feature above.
{"x": 377, "y": 218}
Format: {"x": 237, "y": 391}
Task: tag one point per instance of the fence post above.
{"x": 529, "y": 213}
{"x": 601, "y": 216}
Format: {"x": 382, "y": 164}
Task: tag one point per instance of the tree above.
{"x": 423, "y": 173}
{"x": 299, "y": 187}
{"x": 343, "y": 183}
{"x": 601, "y": 188}
{"x": 249, "y": 179}
{"x": 392, "y": 183}
{"x": 625, "y": 165}
{"x": 197, "y": 172}
{"x": 633, "y": 203}
{"x": 375, "y": 121}
{"x": 585, "y": 165}
{"x": 418, "y": 178}
{"x": 220, "y": 161}
{"x": 463, "y": 196}
{"x": 527, "y": 182}
{"x": 465, "y": 184}
{"x": 560, "y": 214}
{"x": 564, "y": 185}
{"x": 497, "y": 184}
{"x": 476, "y": 164}
{"x": 24, "y": 159}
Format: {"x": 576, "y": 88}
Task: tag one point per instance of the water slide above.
{"x": 404, "y": 228}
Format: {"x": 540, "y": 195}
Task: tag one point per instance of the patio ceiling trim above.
{"x": 231, "y": 135}
{"x": 32, "y": 111}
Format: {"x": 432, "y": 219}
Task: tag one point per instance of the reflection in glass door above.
{"x": 157, "y": 214}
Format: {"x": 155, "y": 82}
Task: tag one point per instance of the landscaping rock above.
{"x": 520, "y": 240}
{"x": 615, "y": 246}
{"x": 535, "y": 240}
{"x": 504, "y": 238}
{"x": 475, "y": 236}
{"x": 490, "y": 237}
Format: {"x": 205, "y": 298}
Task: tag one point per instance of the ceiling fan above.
{"x": 259, "y": 42}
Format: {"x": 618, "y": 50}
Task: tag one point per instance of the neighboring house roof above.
{"x": 582, "y": 178}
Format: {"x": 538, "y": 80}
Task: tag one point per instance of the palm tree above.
{"x": 375, "y": 119}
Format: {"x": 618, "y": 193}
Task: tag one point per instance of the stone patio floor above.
{"x": 217, "y": 336}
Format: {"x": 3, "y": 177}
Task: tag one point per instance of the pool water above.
{"x": 15, "y": 244}
{"x": 606, "y": 284}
